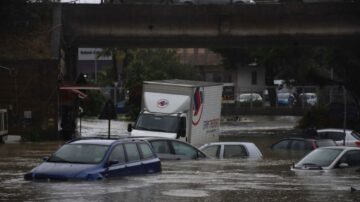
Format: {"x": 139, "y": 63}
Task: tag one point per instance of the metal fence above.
{"x": 292, "y": 100}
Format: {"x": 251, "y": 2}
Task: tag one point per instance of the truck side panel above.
{"x": 205, "y": 124}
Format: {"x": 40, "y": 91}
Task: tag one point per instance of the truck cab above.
{"x": 157, "y": 124}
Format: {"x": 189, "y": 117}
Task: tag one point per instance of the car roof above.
{"x": 342, "y": 147}
{"x": 152, "y": 138}
{"x": 101, "y": 141}
{"x": 298, "y": 138}
{"x": 334, "y": 130}
{"x": 229, "y": 143}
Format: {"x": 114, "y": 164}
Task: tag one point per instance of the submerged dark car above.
{"x": 301, "y": 144}
{"x": 94, "y": 159}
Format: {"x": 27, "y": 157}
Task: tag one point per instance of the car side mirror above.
{"x": 343, "y": 165}
{"x": 129, "y": 128}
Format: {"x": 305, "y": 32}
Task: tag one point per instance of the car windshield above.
{"x": 321, "y": 157}
{"x": 283, "y": 95}
{"x": 153, "y": 122}
{"x": 245, "y": 96}
{"x": 356, "y": 135}
{"x": 80, "y": 153}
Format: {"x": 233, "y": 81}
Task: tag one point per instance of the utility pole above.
{"x": 345, "y": 114}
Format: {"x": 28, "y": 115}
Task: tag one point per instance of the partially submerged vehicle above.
{"x": 95, "y": 159}
{"x": 327, "y": 158}
{"x": 172, "y": 149}
{"x": 230, "y": 150}
{"x": 180, "y": 109}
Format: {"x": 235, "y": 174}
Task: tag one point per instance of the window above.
{"x": 132, "y": 152}
{"x": 281, "y": 145}
{"x": 212, "y": 151}
{"x": 146, "y": 151}
{"x": 185, "y": 150}
{"x": 297, "y": 145}
{"x": 235, "y": 151}
{"x": 352, "y": 158}
{"x": 160, "y": 147}
{"x": 118, "y": 154}
{"x": 80, "y": 153}
{"x": 336, "y": 136}
{"x": 356, "y": 135}
{"x": 253, "y": 77}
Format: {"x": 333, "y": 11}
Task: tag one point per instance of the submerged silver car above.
{"x": 327, "y": 158}
{"x": 230, "y": 150}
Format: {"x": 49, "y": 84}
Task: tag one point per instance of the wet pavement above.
{"x": 268, "y": 179}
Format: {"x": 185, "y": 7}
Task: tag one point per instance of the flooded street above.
{"x": 268, "y": 179}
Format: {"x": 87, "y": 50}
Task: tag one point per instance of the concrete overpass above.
{"x": 210, "y": 25}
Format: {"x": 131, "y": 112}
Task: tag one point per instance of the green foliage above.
{"x": 93, "y": 104}
{"x": 316, "y": 117}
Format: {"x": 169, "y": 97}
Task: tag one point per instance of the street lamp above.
{"x": 115, "y": 91}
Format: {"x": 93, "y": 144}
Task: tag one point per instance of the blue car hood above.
{"x": 62, "y": 170}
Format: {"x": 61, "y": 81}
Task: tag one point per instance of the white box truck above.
{"x": 181, "y": 109}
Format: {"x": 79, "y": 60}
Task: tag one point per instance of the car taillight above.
{"x": 357, "y": 143}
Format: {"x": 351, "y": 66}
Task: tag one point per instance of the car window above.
{"x": 321, "y": 157}
{"x": 160, "y": 146}
{"x": 352, "y": 158}
{"x": 213, "y": 151}
{"x": 235, "y": 151}
{"x": 297, "y": 145}
{"x": 132, "y": 152}
{"x": 323, "y": 135}
{"x": 146, "y": 151}
{"x": 356, "y": 135}
{"x": 281, "y": 145}
{"x": 80, "y": 153}
{"x": 118, "y": 154}
{"x": 336, "y": 136}
{"x": 184, "y": 149}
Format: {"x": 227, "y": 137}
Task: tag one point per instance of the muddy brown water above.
{"x": 269, "y": 179}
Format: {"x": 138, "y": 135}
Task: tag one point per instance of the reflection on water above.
{"x": 211, "y": 180}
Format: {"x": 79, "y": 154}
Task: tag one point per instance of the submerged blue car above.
{"x": 95, "y": 159}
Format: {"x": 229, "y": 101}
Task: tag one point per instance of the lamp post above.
{"x": 115, "y": 92}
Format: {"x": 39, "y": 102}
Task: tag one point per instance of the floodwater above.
{"x": 268, "y": 179}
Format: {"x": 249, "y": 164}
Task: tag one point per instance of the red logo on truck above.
{"x": 162, "y": 103}
{"x": 198, "y": 100}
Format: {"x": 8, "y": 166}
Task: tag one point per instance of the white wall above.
{"x": 243, "y": 78}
